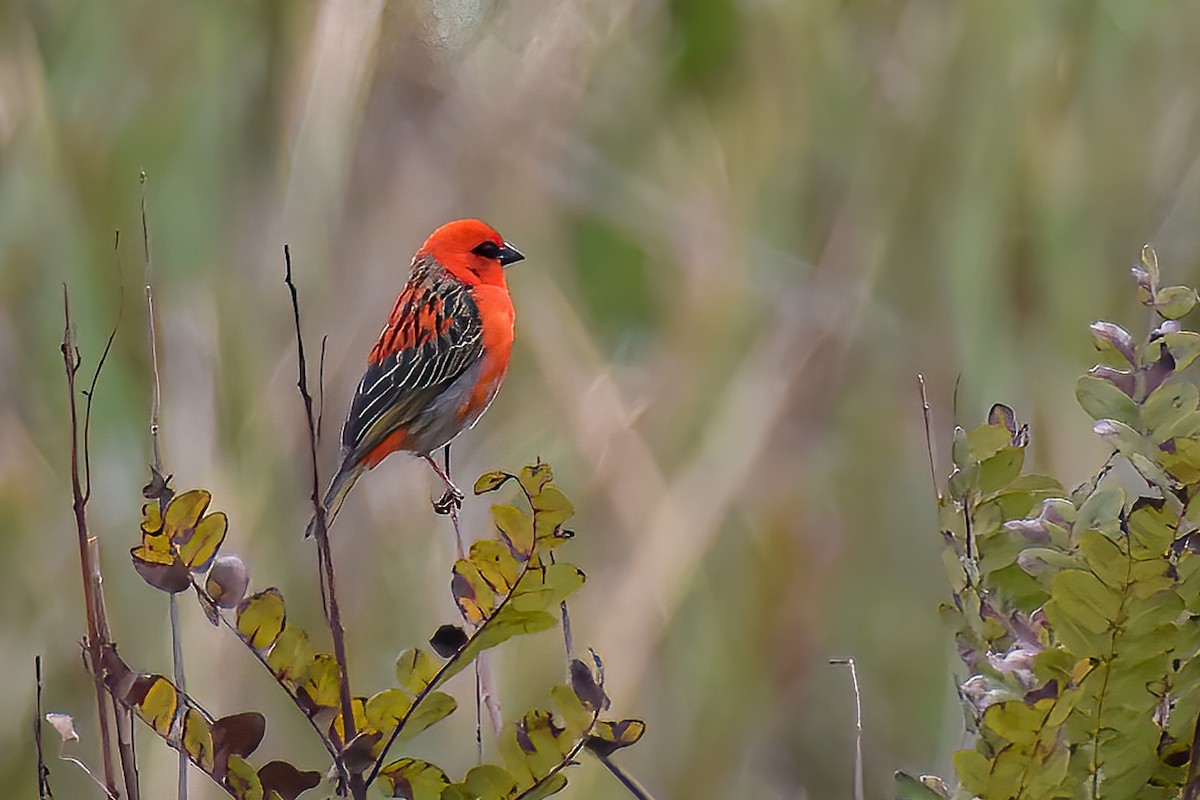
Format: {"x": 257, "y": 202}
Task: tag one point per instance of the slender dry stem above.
{"x": 928, "y": 435}
{"x": 627, "y": 780}
{"x": 858, "y": 727}
{"x": 358, "y": 787}
{"x": 94, "y": 644}
{"x": 164, "y": 497}
{"x": 43, "y": 774}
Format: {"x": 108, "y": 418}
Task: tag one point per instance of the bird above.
{"x": 438, "y": 363}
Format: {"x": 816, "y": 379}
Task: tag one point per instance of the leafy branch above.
{"x": 1076, "y": 611}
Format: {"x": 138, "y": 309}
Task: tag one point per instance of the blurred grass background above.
{"x": 748, "y": 224}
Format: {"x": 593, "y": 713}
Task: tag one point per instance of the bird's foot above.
{"x": 450, "y": 502}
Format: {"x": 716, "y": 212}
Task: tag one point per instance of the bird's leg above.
{"x": 453, "y": 497}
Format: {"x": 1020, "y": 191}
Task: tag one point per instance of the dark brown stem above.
{"x": 94, "y": 643}
{"x": 358, "y": 787}
{"x": 44, "y": 792}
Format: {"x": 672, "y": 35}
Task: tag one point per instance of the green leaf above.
{"x": 1084, "y": 597}
{"x": 434, "y": 708}
{"x": 542, "y": 589}
{"x": 291, "y": 654}
{"x": 260, "y": 618}
{"x": 242, "y": 780}
{"x": 322, "y": 682}
{"x": 1174, "y": 302}
{"x": 386, "y": 708}
{"x": 414, "y": 779}
{"x": 1184, "y": 346}
{"x": 489, "y": 782}
{"x": 535, "y": 478}
{"x": 551, "y": 509}
{"x": 415, "y": 669}
{"x": 567, "y": 705}
{"x": 491, "y": 481}
{"x": 496, "y": 564}
{"x": 1101, "y": 509}
{"x": 985, "y": 441}
{"x": 1104, "y": 558}
{"x": 1151, "y": 530}
{"x": 1101, "y": 400}
{"x": 1000, "y": 469}
{"x": 515, "y": 527}
{"x": 1168, "y": 406}
{"x": 197, "y": 740}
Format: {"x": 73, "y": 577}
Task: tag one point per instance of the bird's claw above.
{"x": 449, "y": 502}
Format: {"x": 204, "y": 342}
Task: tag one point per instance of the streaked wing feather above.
{"x": 438, "y": 335}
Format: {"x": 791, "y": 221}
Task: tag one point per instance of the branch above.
{"x": 164, "y": 496}
{"x": 566, "y": 761}
{"x": 627, "y": 780}
{"x": 94, "y": 643}
{"x": 448, "y": 670}
{"x": 222, "y": 620}
{"x": 858, "y": 761}
{"x": 44, "y": 792}
{"x": 321, "y": 530}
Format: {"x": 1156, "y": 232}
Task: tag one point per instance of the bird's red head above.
{"x": 472, "y": 251}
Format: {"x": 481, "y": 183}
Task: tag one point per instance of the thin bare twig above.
{"x": 94, "y": 643}
{"x": 929, "y": 436}
{"x": 627, "y": 780}
{"x": 164, "y": 497}
{"x": 44, "y": 792}
{"x": 858, "y": 728}
{"x": 358, "y": 788}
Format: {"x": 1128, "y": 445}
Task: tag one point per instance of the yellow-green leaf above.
{"x": 151, "y": 518}
{"x": 434, "y": 708}
{"x": 260, "y": 618}
{"x": 157, "y": 708}
{"x": 184, "y": 512}
{"x": 198, "y": 740}
{"x": 414, "y": 779}
{"x": 291, "y": 654}
{"x": 242, "y": 780}
{"x": 535, "y": 477}
{"x": 489, "y": 782}
{"x": 206, "y": 539}
{"x": 416, "y": 669}
{"x": 322, "y": 681}
{"x": 515, "y": 526}
{"x": 386, "y": 708}
{"x": 491, "y": 481}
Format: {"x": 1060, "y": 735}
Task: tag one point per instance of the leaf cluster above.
{"x": 1076, "y": 612}
{"x": 507, "y": 585}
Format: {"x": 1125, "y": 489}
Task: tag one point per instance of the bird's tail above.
{"x": 339, "y": 487}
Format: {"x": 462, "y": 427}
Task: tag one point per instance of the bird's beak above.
{"x": 510, "y": 255}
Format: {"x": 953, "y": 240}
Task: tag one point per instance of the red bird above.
{"x": 439, "y": 361}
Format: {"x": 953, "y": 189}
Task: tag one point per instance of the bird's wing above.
{"x": 433, "y": 336}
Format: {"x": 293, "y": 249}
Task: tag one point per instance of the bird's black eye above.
{"x": 487, "y": 249}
